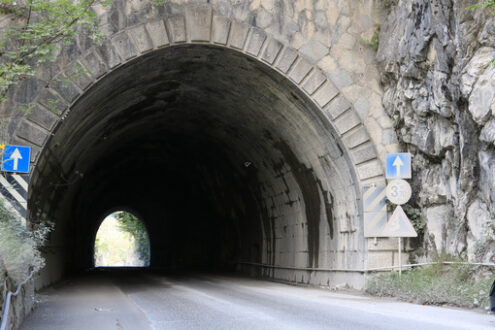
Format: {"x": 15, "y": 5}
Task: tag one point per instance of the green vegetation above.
{"x": 373, "y": 42}
{"x": 390, "y": 3}
{"x": 483, "y": 5}
{"x": 457, "y": 285}
{"x": 417, "y": 220}
{"x": 19, "y": 253}
{"x": 121, "y": 240}
{"x": 131, "y": 224}
{"x": 38, "y": 28}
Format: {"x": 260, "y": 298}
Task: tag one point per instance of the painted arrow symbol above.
{"x": 16, "y": 155}
{"x": 398, "y": 163}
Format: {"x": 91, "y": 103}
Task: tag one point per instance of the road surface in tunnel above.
{"x": 146, "y": 300}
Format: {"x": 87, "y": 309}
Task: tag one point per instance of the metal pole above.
{"x": 400, "y": 260}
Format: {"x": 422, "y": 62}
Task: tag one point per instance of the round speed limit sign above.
{"x": 398, "y": 192}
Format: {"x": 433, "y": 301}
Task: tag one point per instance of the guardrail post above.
{"x": 492, "y": 298}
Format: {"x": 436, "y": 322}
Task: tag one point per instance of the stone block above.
{"x": 337, "y": 107}
{"x": 43, "y": 117}
{"x": 389, "y": 136}
{"x": 93, "y": 64}
{"x": 314, "y": 51}
{"x": 65, "y": 88}
{"x": 256, "y": 41}
{"x": 340, "y": 78}
{"x": 109, "y": 54}
{"x": 347, "y": 121}
{"x": 199, "y": 22}
{"x": 124, "y": 46}
{"x": 300, "y": 70}
{"x": 382, "y": 244}
{"x": 157, "y": 33}
{"x": 47, "y": 70}
{"x": 141, "y": 38}
{"x": 31, "y": 133}
{"x": 271, "y": 51}
{"x": 27, "y": 89}
{"x": 238, "y": 35}
{"x": 380, "y": 259}
{"x": 363, "y": 153}
{"x": 356, "y": 137}
{"x": 220, "y": 30}
{"x": 79, "y": 75}
{"x": 314, "y": 81}
{"x": 286, "y": 60}
{"x": 377, "y": 181}
{"x": 325, "y": 94}
{"x": 362, "y": 107}
{"x": 52, "y": 102}
{"x": 177, "y": 29}
{"x": 370, "y": 169}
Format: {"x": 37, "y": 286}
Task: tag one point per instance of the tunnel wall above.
{"x": 316, "y": 47}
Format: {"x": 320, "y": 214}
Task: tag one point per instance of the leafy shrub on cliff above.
{"x": 131, "y": 224}
{"x": 19, "y": 253}
{"x": 457, "y": 285}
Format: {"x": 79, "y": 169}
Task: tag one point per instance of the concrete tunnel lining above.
{"x": 224, "y": 158}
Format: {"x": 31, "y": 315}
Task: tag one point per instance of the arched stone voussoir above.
{"x": 201, "y": 25}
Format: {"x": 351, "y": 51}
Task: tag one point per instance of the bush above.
{"x": 129, "y": 223}
{"x": 457, "y": 285}
{"x": 19, "y": 253}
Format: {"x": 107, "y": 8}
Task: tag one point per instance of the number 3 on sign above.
{"x": 398, "y": 192}
{"x": 394, "y": 191}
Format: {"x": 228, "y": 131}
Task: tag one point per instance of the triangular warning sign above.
{"x": 398, "y": 225}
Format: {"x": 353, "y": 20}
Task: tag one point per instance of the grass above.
{"x": 456, "y": 285}
{"x": 372, "y": 43}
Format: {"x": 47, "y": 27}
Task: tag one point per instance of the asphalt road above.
{"x": 136, "y": 300}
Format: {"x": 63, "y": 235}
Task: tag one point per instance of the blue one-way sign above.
{"x": 16, "y": 159}
{"x": 398, "y": 166}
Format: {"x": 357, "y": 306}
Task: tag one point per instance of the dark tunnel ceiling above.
{"x": 174, "y": 130}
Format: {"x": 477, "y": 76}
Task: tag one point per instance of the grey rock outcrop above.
{"x": 435, "y": 58}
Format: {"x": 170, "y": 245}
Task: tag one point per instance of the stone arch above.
{"x": 202, "y": 25}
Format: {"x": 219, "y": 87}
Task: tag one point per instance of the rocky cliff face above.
{"x": 439, "y": 88}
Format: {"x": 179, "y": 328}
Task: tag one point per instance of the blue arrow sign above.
{"x": 398, "y": 166}
{"x": 16, "y": 159}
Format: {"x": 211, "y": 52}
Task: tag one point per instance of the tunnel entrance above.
{"x": 121, "y": 241}
{"x": 229, "y": 163}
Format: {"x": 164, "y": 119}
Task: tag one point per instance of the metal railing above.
{"x": 367, "y": 270}
{"x": 7, "y": 298}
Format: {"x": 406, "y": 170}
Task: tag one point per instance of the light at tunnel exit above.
{"x": 121, "y": 241}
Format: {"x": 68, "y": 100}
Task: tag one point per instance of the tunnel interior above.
{"x": 222, "y": 157}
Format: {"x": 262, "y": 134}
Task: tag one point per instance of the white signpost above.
{"x": 399, "y": 192}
